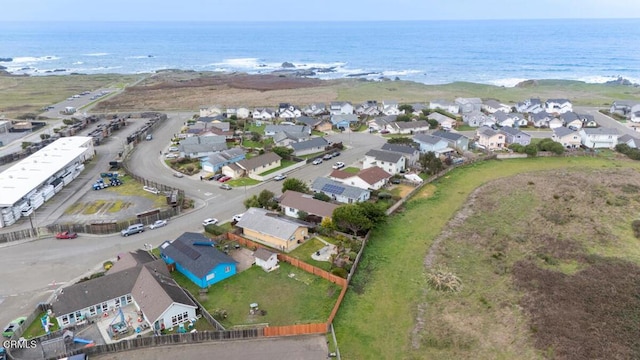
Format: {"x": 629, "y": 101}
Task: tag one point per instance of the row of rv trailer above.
{"x": 34, "y": 199}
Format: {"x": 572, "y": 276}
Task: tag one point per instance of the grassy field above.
{"x": 304, "y": 252}
{"x": 302, "y": 298}
{"x": 379, "y": 312}
{"x": 23, "y": 94}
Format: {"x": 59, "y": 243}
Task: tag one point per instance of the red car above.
{"x": 66, "y": 235}
{"x": 226, "y": 178}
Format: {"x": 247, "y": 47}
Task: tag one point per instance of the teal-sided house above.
{"x": 196, "y": 257}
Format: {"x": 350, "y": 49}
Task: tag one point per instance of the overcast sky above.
{"x": 309, "y": 10}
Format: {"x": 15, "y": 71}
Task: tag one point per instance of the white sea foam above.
{"x": 508, "y": 82}
{"x": 401, "y": 72}
{"x": 139, "y": 57}
{"x": 78, "y": 63}
{"x": 596, "y": 79}
{"x": 32, "y": 59}
{"x": 97, "y": 54}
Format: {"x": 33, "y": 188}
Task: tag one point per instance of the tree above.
{"x": 373, "y": 212}
{"x": 531, "y": 150}
{"x": 322, "y": 197}
{"x": 550, "y": 145}
{"x": 405, "y": 118}
{"x": 302, "y": 215}
{"x": 283, "y": 152}
{"x": 251, "y": 202}
{"x": 433, "y": 124}
{"x": 431, "y": 164}
{"x": 295, "y": 185}
{"x": 402, "y": 141}
{"x": 266, "y": 199}
{"x": 408, "y": 109}
{"x": 351, "y": 217}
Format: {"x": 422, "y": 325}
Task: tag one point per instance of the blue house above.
{"x": 196, "y": 257}
{"x": 216, "y": 161}
{"x": 430, "y": 143}
{"x": 342, "y": 121}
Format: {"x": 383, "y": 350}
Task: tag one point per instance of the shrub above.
{"x": 635, "y": 225}
{"x": 214, "y": 229}
{"x": 443, "y": 280}
{"x": 339, "y": 272}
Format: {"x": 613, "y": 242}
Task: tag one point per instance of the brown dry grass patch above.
{"x": 549, "y": 267}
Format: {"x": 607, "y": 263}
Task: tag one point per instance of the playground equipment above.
{"x": 46, "y": 323}
{"x": 82, "y": 341}
{"x": 119, "y": 327}
{"x": 69, "y": 338}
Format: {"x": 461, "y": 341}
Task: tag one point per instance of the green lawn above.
{"x": 465, "y": 127}
{"x": 283, "y": 164}
{"x": 255, "y": 128}
{"x": 351, "y": 169}
{"x": 378, "y": 313}
{"x": 35, "y": 329}
{"x": 244, "y": 181}
{"x": 304, "y": 252}
{"x": 288, "y": 300}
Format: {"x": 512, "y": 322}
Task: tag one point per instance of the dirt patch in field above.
{"x": 549, "y": 267}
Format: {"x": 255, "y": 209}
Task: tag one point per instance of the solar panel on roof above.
{"x": 185, "y": 249}
{"x": 333, "y": 189}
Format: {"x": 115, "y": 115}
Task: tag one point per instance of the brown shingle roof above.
{"x": 373, "y": 174}
{"x": 260, "y": 160}
{"x": 339, "y": 174}
{"x": 307, "y": 203}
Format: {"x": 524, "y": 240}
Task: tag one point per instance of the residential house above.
{"x": 515, "y": 136}
{"x": 201, "y": 146}
{"x": 418, "y": 109}
{"x": 531, "y": 106}
{"x": 624, "y": 107}
{"x": 368, "y": 108}
{"x": 211, "y": 110}
{"x": 264, "y": 114}
{"x": 408, "y": 127}
{"x": 411, "y": 153}
{"x": 290, "y": 113}
{"x": 519, "y": 120}
{"x": 503, "y": 119}
{"x": 632, "y": 142}
{"x": 555, "y": 122}
{"x": 233, "y": 170}
{"x": 599, "y": 138}
{"x": 341, "y": 108}
{"x": 135, "y": 279}
{"x": 588, "y": 120}
{"x": 340, "y": 192}
{"x": 570, "y": 139}
{"x": 469, "y": 105}
{"x": 456, "y": 141}
{"x": 490, "y": 139}
{"x": 343, "y": 121}
{"x": 448, "y": 106}
{"x": 196, "y": 257}
{"x": 430, "y": 143}
{"x": 316, "y": 124}
{"x": 259, "y": 164}
{"x": 293, "y": 202}
{"x": 540, "y": 119}
{"x": 558, "y": 106}
{"x": 391, "y": 162}
{"x": 390, "y": 107}
{"x": 214, "y": 162}
{"x": 286, "y": 138}
{"x": 266, "y": 259}
{"x": 445, "y": 122}
{"x": 475, "y": 119}
{"x": 571, "y": 120}
{"x": 373, "y": 178}
{"x": 492, "y": 106}
{"x": 315, "y": 145}
{"x": 240, "y": 112}
{"x": 267, "y": 228}
{"x": 382, "y": 123}
{"x": 271, "y": 130}
{"x": 212, "y": 118}
{"x": 315, "y": 109}
{"x": 211, "y": 126}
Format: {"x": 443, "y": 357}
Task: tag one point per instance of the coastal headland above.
{"x": 173, "y": 90}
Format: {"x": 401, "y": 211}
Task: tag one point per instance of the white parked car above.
{"x": 280, "y": 177}
{"x": 158, "y": 224}
{"x": 209, "y": 221}
{"x": 172, "y": 156}
{"x": 237, "y": 217}
{"x": 338, "y": 165}
{"x": 174, "y": 149}
{"x": 317, "y": 161}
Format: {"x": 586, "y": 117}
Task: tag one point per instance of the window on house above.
{"x": 104, "y": 307}
{"x": 227, "y": 269}
{"x": 129, "y": 299}
{"x": 65, "y": 320}
{"x": 118, "y": 302}
{"x": 92, "y": 310}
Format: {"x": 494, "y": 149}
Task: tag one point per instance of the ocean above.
{"x": 501, "y": 52}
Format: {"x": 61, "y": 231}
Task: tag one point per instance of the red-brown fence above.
{"x": 299, "y": 329}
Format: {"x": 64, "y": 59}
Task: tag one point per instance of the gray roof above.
{"x": 541, "y": 116}
{"x": 198, "y": 259}
{"x": 268, "y": 223}
{"x": 350, "y": 192}
{"x": 626, "y": 138}
{"x": 384, "y": 155}
{"x": 600, "y": 131}
{"x": 562, "y": 131}
{"x": 501, "y": 116}
{"x": 308, "y": 121}
{"x": 439, "y": 117}
{"x": 493, "y": 103}
{"x": 310, "y": 144}
{"x": 404, "y": 149}
{"x": 263, "y": 254}
{"x": 448, "y": 135}
{"x": 224, "y": 156}
{"x": 344, "y": 117}
{"x": 487, "y": 131}
{"x": 286, "y": 128}
{"x": 513, "y": 131}
{"x": 427, "y": 139}
{"x": 569, "y": 116}
{"x": 411, "y": 124}
{"x": 257, "y": 161}
{"x": 196, "y": 144}
{"x": 208, "y": 119}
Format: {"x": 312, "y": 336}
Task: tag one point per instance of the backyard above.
{"x": 285, "y": 296}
